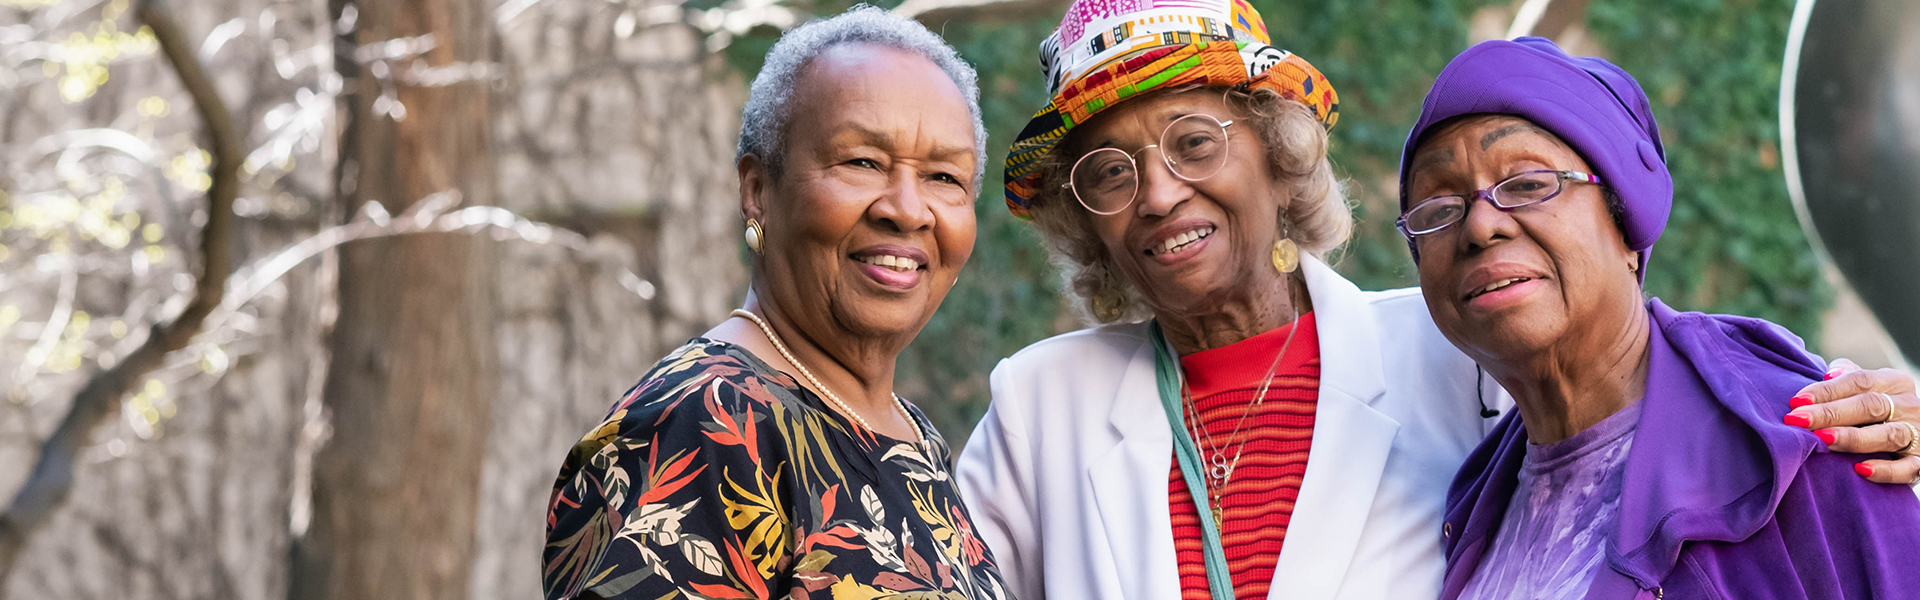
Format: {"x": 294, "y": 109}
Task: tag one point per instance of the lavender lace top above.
{"x": 1553, "y": 539}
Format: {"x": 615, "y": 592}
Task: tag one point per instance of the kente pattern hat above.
{"x": 1106, "y": 51}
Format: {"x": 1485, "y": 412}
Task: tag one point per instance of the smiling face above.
{"x": 1510, "y": 285}
{"x": 870, "y": 218}
{"x": 1189, "y": 247}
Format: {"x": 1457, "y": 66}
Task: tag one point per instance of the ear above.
{"x": 756, "y": 185}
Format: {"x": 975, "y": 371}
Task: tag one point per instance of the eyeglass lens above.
{"x": 1520, "y": 190}
{"x": 1194, "y": 148}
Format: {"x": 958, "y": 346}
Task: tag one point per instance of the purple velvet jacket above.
{"x": 1721, "y": 500}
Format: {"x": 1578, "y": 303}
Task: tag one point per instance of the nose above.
{"x": 1160, "y": 190}
{"x": 902, "y": 207}
{"x": 1485, "y": 224}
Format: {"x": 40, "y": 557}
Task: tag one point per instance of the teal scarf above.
{"x": 1167, "y": 372}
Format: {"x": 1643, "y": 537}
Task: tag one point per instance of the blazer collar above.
{"x": 1349, "y": 353}
{"x": 1351, "y": 443}
{"x": 1349, "y": 333}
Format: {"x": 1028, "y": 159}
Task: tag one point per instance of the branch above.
{"x": 51, "y": 483}
{"x": 934, "y": 13}
{"x": 1546, "y": 18}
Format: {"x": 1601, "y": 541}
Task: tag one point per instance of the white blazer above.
{"x": 1066, "y": 475}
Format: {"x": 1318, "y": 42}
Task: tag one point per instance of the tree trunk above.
{"x": 414, "y": 368}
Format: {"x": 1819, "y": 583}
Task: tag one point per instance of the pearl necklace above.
{"x": 919, "y": 437}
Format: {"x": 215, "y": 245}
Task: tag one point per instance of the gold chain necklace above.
{"x": 919, "y": 437}
{"x": 1221, "y": 470}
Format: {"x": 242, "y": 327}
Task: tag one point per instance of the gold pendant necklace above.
{"x": 1221, "y": 468}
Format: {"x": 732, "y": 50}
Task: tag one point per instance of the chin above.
{"x": 883, "y": 317}
{"x": 1508, "y": 335}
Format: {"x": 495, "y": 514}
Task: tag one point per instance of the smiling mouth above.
{"x": 1497, "y": 286}
{"x": 888, "y": 261}
{"x": 1180, "y": 242}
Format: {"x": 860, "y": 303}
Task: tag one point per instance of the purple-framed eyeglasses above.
{"x": 1523, "y": 189}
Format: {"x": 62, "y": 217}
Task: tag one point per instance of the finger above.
{"x": 1885, "y": 437}
{"x": 1841, "y": 366}
{"x": 1854, "y": 383}
{"x": 1852, "y": 411}
{"x": 1899, "y": 472}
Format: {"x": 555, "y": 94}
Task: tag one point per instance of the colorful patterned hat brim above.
{"x": 1150, "y": 50}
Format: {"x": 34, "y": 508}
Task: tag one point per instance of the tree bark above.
{"x": 51, "y": 483}
{"x": 414, "y": 368}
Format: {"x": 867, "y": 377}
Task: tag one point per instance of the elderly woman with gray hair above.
{"x": 770, "y": 457}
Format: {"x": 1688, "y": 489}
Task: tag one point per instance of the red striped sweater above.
{"x": 1258, "y": 502}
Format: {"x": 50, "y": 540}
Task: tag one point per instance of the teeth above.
{"x": 1500, "y": 284}
{"x": 1180, "y": 241}
{"x": 897, "y": 263}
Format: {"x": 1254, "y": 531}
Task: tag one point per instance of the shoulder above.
{"x": 1068, "y": 376}
{"x": 704, "y": 386}
{"x": 1746, "y": 343}
{"x": 1403, "y": 313}
{"x": 1107, "y": 342}
{"x": 1088, "y": 355}
{"x": 1750, "y": 365}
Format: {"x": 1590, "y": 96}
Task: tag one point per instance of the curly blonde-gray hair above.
{"x": 1317, "y": 216}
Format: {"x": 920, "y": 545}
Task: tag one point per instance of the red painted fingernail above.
{"x": 1798, "y": 421}
{"x": 1864, "y": 469}
{"x": 1800, "y": 400}
{"x": 1826, "y": 436}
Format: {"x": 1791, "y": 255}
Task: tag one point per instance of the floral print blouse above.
{"x": 719, "y": 477}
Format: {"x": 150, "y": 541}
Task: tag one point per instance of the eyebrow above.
{"x": 1167, "y": 120}
{"x": 1437, "y": 157}
{"x": 877, "y": 138}
{"x": 1486, "y": 141}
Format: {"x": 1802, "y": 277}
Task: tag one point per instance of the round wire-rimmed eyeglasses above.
{"x": 1523, "y": 189}
{"x": 1106, "y": 181}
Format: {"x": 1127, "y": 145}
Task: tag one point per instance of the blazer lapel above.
{"x": 1129, "y": 482}
{"x": 1351, "y": 443}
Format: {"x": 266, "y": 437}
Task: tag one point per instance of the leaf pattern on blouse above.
{"x": 718, "y": 477}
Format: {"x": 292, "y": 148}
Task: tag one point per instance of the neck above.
{"x": 1272, "y": 304}
{"x": 1562, "y": 391}
{"x": 859, "y": 372}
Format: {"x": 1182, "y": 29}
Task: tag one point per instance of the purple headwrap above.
{"x": 1593, "y": 105}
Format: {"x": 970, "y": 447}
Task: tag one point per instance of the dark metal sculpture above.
{"x": 1850, "y": 131}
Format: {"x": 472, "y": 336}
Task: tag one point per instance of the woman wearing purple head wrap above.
{"x": 1651, "y": 452}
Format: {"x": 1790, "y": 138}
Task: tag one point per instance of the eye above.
{"x": 946, "y": 178}
{"x": 865, "y": 163}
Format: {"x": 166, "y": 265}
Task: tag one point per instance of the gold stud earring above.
{"x": 1286, "y": 256}
{"x": 754, "y": 235}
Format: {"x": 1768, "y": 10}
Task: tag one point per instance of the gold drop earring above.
{"x": 754, "y": 235}
{"x": 1286, "y": 255}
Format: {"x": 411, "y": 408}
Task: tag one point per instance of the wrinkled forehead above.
{"x": 1437, "y": 146}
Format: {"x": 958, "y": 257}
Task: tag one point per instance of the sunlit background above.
{"x": 460, "y": 228}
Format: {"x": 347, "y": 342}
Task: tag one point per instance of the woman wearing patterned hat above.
{"x": 1245, "y": 423}
{"x": 1595, "y": 487}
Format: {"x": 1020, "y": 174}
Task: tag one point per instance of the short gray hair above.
{"x": 763, "y": 123}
